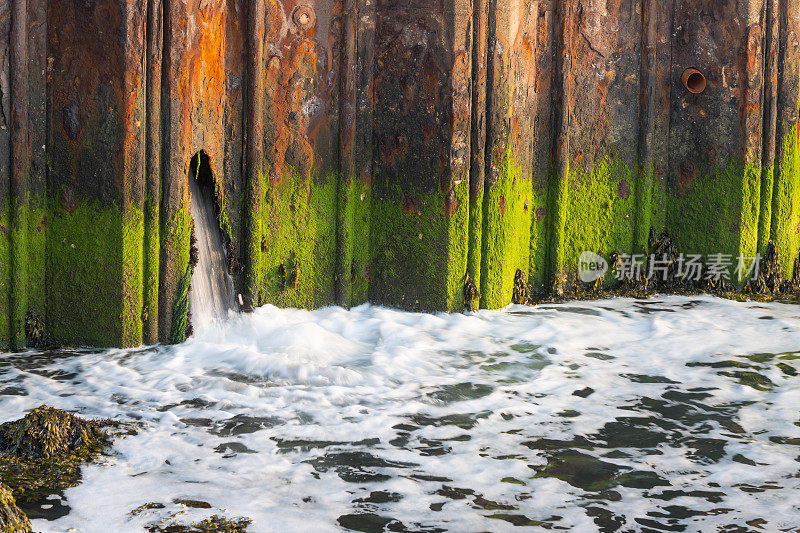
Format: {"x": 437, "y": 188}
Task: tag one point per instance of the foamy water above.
{"x": 673, "y": 414}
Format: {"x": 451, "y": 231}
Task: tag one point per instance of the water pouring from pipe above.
{"x": 212, "y": 296}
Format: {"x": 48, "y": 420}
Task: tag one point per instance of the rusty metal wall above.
{"x": 5, "y": 168}
{"x": 381, "y": 150}
{"x": 300, "y": 150}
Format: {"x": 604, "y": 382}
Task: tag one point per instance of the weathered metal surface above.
{"x": 347, "y": 156}
{"x": 153, "y": 137}
{"x": 354, "y": 196}
{"x": 301, "y": 63}
{"x": 5, "y": 170}
{"x": 422, "y": 124}
{"x": 19, "y": 172}
{"x": 301, "y": 71}
{"x": 89, "y": 150}
{"x": 231, "y": 177}
{"x": 597, "y": 93}
{"x": 477, "y": 172}
{"x": 379, "y": 149}
{"x": 715, "y": 136}
{"x": 254, "y": 125}
{"x": 133, "y": 168}
{"x": 785, "y": 205}
{"x": 37, "y": 168}
{"x": 509, "y": 201}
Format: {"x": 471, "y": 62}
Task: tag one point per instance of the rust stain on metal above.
{"x": 421, "y": 94}
{"x": 686, "y": 175}
{"x": 410, "y": 203}
{"x": 623, "y": 189}
{"x": 450, "y": 203}
{"x": 87, "y": 81}
{"x": 71, "y": 120}
{"x": 304, "y": 17}
{"x": 301, "y": 87}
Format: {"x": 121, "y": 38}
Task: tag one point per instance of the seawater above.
{"x": 666, "y": 414}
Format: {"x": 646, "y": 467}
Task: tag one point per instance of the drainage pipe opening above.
{"x": 694, "y": 80}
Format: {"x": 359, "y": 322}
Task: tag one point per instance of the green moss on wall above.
{"x": 36, "y": 256}
{"x": 419, "y": 249}
{"x": 600, "y": 211}
{"x": 506, "y": 238}
{"x": 785, "y": 219}
{"x": 716, "y": 211}
{"x": 22, "y": 249}
{"x": 612, "y": 208}
{"x": 457, "y": 221}
{"x": 353, "y": 234}
{"x": 94, "y": 275}
{"x": 558, "y": 196}
{"x": 765, "y": 208}
{"x": 361, "y": 216}
{"x": 751, "y": 210}
{"x": 84, "y": 274}
{"x": 180, "y": 311}
{"x": 150, "y": 275}
{"x": 298, "y": 231}
{"x": 643, "y": 209}
{"x": 132, "y": 275}
{"x": 176, "y": 242}
{"x": 26, "y": 271}
{"x": 475, "y": 244}
{"x": 538, "y": 274}
{"x": 18, "y": 261}
{"x": 253, "y": 219}
{"x": 5, "y": 277}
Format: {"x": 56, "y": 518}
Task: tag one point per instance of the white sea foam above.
{"x": 437, "y": 421}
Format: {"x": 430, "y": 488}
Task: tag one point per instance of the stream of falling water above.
{"x": 212, "y": 294}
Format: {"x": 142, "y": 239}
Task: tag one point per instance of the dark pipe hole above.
{"x": 200, "y": 170}
{"x": 694, "y": 81}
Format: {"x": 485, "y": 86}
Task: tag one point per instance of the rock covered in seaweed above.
{"x": 12, "y": 519}
{"x": 42, "y": 453}
{"x": 215, "y": 523}
{"x": 46, "y": 432}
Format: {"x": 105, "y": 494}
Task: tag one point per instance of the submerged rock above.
{"x": 42, "y": 453}
{"x": 12, "y": 519}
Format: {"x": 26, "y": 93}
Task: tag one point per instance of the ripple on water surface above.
{"x": 671, "y": 414}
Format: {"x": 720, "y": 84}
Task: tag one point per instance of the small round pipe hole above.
{"x": 693, "y": 80}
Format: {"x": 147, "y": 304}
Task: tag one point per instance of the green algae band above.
{"x": 425, "y": 155}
